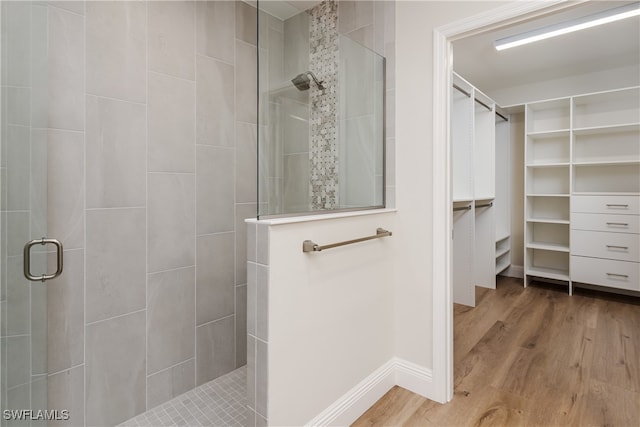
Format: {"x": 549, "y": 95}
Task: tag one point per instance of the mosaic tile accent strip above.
{"x": 323, "y": 62}
{"x": 221, "y": 402}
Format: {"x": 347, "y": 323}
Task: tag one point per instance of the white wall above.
{"x": 415, "y": 22}
{"x": 330, "y": 312}
{"x": 517, "y": 189}
{"x": 573, "y": 85}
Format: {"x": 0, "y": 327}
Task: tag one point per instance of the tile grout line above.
{"x": 84, "y": 256}
{"x": 195, "y": 195}
{"x": 235, "y": 183}
{"x": 146, "y": 219}
{"x": 151, "y": 273}
{"x": 214, "y": 321}
{"x": 116, "y": 317}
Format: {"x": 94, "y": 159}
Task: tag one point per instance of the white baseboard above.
{"x": 514, "y": 271}
{"x": 356, "y": 401}
{"x": 415, "y": 378}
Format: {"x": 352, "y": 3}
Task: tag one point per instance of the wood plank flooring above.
{"x": 533, "y": 357}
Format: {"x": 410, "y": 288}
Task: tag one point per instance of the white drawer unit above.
{"x": 604, "y": 272}
{"x": 598, "y": 244}
{"x": 627, "y": 205}
{"x": 606, "y": 222}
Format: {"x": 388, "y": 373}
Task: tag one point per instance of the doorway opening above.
{"x": 444, "y": 37}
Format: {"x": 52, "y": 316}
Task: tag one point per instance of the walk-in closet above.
{"x": 545, "y": 155}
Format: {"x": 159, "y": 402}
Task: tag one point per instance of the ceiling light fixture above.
{"x": 589, "y": 21}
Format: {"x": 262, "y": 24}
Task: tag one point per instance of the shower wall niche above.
{"x": 321, "y": 111}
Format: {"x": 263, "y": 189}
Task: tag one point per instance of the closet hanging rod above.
{"x": 501, "y": 116}
{"x": 483, "y": 104}
{"x": 455, "y": 86}
{"x": 487, "y": 205}
{"x": 462, "y": 208}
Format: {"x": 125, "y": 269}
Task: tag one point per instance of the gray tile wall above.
{"x": 150, "y": 130}
{"x": 257, "y": 323}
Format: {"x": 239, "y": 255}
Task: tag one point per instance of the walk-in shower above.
{"x": 130, "y": 134}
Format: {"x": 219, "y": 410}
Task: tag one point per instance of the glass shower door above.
{"x": 23, "y": 213}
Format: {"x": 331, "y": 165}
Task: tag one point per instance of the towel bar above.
{"x": 309, "y": 246}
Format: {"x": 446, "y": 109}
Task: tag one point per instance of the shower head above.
{"x": 303, "y": 82}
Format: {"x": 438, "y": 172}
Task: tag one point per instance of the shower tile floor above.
{"x": 221, "y": 402}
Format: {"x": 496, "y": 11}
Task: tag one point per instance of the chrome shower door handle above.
{"x": 27, "y": 259}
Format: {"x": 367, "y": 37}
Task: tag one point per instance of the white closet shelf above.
{"x": 502, "y": 265}
{"x": 462, "y": 199}
{"x": 605, "y": 193}
{"x": 548, "y": 164}
{"x": 548, "y": 194}
{"x": 503, "y": 237}
{"x": 548, "y": 273}
{"x": 556, "y": 247}
{"x": 554, "y": 133}
{"x": 597, "y": 130}
{"x": 548, "y": 220}
{"x": 608, "y": 163}
{"x": 502, "y": 251}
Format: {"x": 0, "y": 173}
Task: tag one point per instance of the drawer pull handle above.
{"x": 621, "y": 224}
{"x": 616, "y": 205}
{"x": 618, "y": 247}
{"x": 626, "y": 276}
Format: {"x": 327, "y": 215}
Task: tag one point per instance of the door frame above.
{"x": 442, "y": 226}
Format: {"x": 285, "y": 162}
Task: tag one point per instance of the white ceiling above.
{"x": 285, "y": 9}
{"x": 596, "y": 49}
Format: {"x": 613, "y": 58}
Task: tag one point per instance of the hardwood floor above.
{"x": 533, "y": 357}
